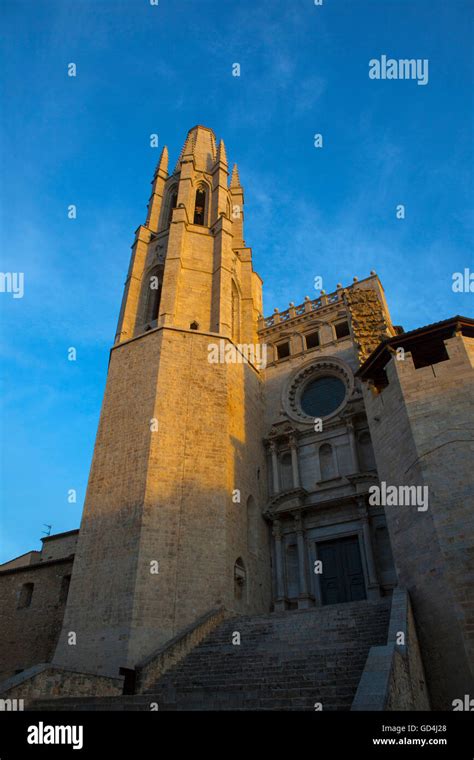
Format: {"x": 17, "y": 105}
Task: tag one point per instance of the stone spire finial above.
{"x": 162, "y": 164}
{"x": 235, "y": 179}
{"x": 221, "y": 154}
{"x": 158, "y": 182}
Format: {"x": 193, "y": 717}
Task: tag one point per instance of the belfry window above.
{"x": 172, "y": 206}
{"x": 153, "y": 298}
{"x": 200, "y": 206}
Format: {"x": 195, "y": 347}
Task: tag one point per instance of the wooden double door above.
{"x": 342, "y": 578}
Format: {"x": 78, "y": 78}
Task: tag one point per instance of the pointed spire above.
{"x": 235, "y": 179}
{"x": 157, "y": 184}
{"x": 162, "y": 164}
{"x": 221, "y": 154}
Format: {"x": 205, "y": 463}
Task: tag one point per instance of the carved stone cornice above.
{"x": 293, "y": 498}
{"x": 280, "y": 431}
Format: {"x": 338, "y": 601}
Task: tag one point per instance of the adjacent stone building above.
{"x": 419, "y": 396}
{"x": 33, "y": 594}
{"x": 237, "y": 457}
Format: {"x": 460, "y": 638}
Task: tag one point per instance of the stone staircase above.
{"x": 285, "y": 661}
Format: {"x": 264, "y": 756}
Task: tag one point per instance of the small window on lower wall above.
{"x": 26, "y": 593}
{"x": 66, "y": 580}
{"x": 342, "y": 329}
{"x": 312, "y": 340}
{"x": 283, "y": 350}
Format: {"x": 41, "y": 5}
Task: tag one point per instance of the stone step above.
{"x": 285, "y": 661}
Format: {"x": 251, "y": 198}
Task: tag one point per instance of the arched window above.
{"x": 153, "y": 297}
{"x": 240, "y": 578}
{"x": 235, "y": 313}
{"x": 172, "y": 201}
{"x": 366, "y": 453}
{"x": 200, "y": 206}
{"x": 326, "y": 462}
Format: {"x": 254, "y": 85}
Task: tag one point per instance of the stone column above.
{"x": 294, "y": 461}
{"x": 280, "y": 586}
{"x": 316, "y": 581}
{"x": 373, "y": 590}
{"x": 304, "y": 597}
{"x": 276, "y": 479}
{"x": 353, "y": 445}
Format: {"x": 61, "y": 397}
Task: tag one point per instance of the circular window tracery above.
{"x": 319, "y": 389}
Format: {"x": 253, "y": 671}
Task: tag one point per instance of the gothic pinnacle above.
{"x": 221, "y": 154}
{"x": 162, "y": 164}
{"x": 235, "y": 179}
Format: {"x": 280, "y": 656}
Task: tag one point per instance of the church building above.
{"x": 290, "y": 496}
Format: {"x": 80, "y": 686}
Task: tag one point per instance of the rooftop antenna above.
{"x": 48, "y": 532}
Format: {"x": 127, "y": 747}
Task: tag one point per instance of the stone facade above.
{"x": 33, "y": 594}
{"x": 420, "y": 410}
{"x": 319, "y": 474}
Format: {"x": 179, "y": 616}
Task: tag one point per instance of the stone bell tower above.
{"x": 172, "y": 524}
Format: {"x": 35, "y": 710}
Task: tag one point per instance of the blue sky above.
{"x": 145, "y": 69}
